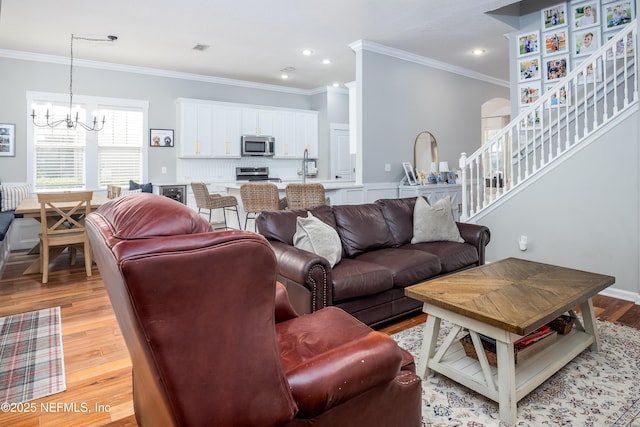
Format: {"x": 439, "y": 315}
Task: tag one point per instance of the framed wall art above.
{"x": 529, "y": 92}
{"x": 559, "y": 97}
{"x": 529, "y": 68}
{"x": 585, "y": 14}
{"x": 556, "y": 68}
{"x": 617, "y": 14}
{"x": 7, "y": 140}
{"x": 591, "y": 74}
{"x": 529, "y": 43}
{"x": 556, "y": 42}
{"x": 554, "y": 16}
{"x": 586, "y": 42}
{"x": 161, "y": 138}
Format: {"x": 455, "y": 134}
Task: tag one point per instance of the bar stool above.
{"x": 209, "y": 202}
{"x": 257, "y": 197}
{"x": 305, "y": 196}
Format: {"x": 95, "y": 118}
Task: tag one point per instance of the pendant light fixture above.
{"x": 71, "y": 122}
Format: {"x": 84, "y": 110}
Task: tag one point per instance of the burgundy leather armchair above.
{"x": 214, "y": 341}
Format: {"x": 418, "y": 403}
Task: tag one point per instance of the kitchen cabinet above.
{"x": 284, "y": 132}
{"x": 256, "y": 121}
{"x": 195, "y": 129}
{"x": 226, "y": 131}
{"x": 307, "y": 134}
{"x": 435, "y": 192}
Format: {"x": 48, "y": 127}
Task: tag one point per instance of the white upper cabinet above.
{"x": 256, "y": 121}
{"x": 194, "y": 132}
{"x": 211, "y": 129}
{"x": 226, "y": 131}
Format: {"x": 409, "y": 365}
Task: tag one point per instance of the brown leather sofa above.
{"x": 214, "y": 341}
{"x": 378, "y": 259}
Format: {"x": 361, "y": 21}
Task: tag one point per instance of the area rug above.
{"x": 595, "y": 389}
{"x": 31, "y": 357}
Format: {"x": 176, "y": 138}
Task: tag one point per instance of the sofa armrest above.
{"x": 476, "y": 235}
{"x": 331, "y": 378}
{"x": 297, "y": 267}
{"x": 283, "y": 310}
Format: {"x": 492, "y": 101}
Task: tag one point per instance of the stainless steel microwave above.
{"x": 254, "y": 145}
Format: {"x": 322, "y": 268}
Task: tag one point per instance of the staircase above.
{"x": 592, "y": 97}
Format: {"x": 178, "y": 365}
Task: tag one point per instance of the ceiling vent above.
{"x": 201, "y": 47}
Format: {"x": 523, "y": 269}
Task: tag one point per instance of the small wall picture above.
{"x": 531, "y": 121}
{"x": 554, "y": 16}
{"x": 529, "y": 43}
{"x": 592, "y": 72}
{"x": 556, "y": 68}
{"x": 556, "y": 42}
{"x": 161, "y": 138}
{"x": 585, "y": 14}
{"x": 559, "y": 97}
{"x": 529, "y": 92}
{"x": 621, "y": 47}
{"x": 529, "y": 68}
{"x": 586, "y": 42}
{"x": 617, "y": 13}
{"x": 7, "y": 140}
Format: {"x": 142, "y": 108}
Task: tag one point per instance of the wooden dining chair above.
{"x": 62, "y": 218}
{"x": 113, "y": 191}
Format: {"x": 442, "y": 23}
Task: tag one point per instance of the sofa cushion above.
{"x": 362, "y": 228}
{"x": 281, "y": 225}
{"x": 453, "y": 256}
{"x": 434, "y": 223}
{"x": 145, "y": 188}
{"x": 5, "y": 221}
{"x": 399, "y": 216}
{"x": 407, "y": 267}
{"x": 354, "y": 278}
{"x": 315, "y": 236}
{"x": 13, "y": 195}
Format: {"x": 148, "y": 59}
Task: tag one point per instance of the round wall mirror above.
{"x": 425, "y": 152}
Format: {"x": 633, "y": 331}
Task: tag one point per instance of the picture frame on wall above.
{"x": 559, "y": 98}
{"x": 617, "y": 14}
{"x": 531, "y": 121}
{"x": 592, "y": 73}
{"x": 554, "y": 16}
{"x": 585, "y": 14}
{"x": 556, "y": 67}
{"x": 529, "y": 92}
{"x": 529, "y": 68}
{"x": 7, "y": 140}
{"x": 556, "y": 42}
{"x": 622, "y": 48}
{"x": 529, "y": 43}
{"x": 161, "y": 138}
{"x": 585, "y": 42}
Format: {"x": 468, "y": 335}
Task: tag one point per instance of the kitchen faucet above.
{"x": 305, "y": 165}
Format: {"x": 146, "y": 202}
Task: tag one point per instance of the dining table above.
{"x": 30, "y": 208}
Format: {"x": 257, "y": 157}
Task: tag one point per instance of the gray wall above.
{"x": 19, "y": 76}
{"x": 581, "y": 214}
{"x": 401, "y": 98}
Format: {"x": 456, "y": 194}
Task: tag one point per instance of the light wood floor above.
{"x": 98, "y": 369}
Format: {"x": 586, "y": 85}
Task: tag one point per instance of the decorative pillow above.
{"x": 12, "y": 196}
{"x": 146, "y": 188}
{"x": 315, "y": 236}
{"x": 434, "y": 223}
{"x": 124, "y": 192}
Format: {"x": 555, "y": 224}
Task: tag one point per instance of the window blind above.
{"x": 120, "y": 147}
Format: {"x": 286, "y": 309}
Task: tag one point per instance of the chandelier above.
{"x": 71, "y": 122}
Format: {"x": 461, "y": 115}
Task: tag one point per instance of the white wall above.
{"x": 582, "y": 214}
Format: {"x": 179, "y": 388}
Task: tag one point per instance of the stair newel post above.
{"x": 462, "y": 164}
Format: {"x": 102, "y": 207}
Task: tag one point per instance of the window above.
{"x": 76, "y": 159}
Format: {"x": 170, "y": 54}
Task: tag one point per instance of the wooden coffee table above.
{"x": 506, "y": 300}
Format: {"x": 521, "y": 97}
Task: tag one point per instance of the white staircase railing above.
{"x": 601, "y": 87}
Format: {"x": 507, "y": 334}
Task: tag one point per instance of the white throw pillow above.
{"x": 434, "y": 223}
{"x": 315, "y": 236}
{"x": 12, "y": 196}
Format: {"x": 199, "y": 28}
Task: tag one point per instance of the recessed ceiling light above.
{"x": 284, "y": 76}
{"x": 307, "y": 52}
{"x": 336, "y": 85}
{"x": 326, "y": 61}
{"x": 478, "y": 51}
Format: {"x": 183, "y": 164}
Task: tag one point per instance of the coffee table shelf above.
{"x": 529, "y": 374}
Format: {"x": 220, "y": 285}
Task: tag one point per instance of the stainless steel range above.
{"x": 254, "y": 174}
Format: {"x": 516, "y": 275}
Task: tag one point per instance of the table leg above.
{"x": 431, "y": 330}
{"x": 589, "y": 320}
{"x": 506, "y": 382}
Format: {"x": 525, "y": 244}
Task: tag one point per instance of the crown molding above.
{"x": 156, "y": 72}
{"x": 422, "y": 60}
